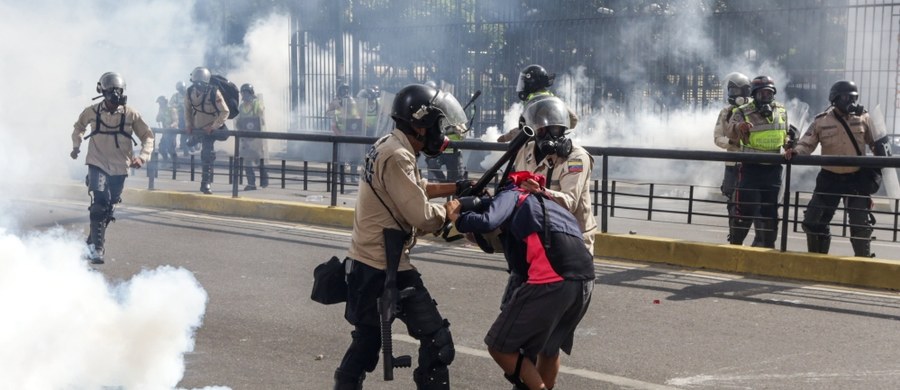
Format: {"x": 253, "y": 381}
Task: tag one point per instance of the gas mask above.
{"x": 115, "y": 96}
{"x": 848, "y": 104}
{"x": 434, "y": 141}
{"x": 738, "y": 100}
{"x": 553, "y": 141}
{"x": 765, "y": 110}
{"x": 764, "y": 99}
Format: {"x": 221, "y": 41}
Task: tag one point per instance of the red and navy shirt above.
{"x": 520, "y": 217}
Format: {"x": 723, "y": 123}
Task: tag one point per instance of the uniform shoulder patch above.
{"x": 575, "y": 165}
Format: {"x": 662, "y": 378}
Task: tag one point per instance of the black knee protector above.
{"x": 100, "y": 210}
{"x": 437, "y": 378}
{"x": 813, "y": 221}
{"x": 420, "y": 314}
{"x": 437, "y": 349}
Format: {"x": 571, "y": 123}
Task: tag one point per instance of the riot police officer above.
{"x": 394, "y": 196}
{"x": 760, "y": 126}
{"x": 347, "y": 120}
{"x": 833, "y": 129}
{"x": 566, "y": 166}
{"x": 370, "y": 100}
{"x": 177, "y": 102}
{"x": 534, "y": 84}
{"x": 252, "y": 117}
{"x": 205, "y": 111}
{"x": 737, "y": 89}
{"x": 109, "y": 154}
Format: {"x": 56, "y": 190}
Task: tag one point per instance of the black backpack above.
{"x": 229, "y": 91}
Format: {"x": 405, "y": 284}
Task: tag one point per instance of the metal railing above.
{"x": 605, "y": 190}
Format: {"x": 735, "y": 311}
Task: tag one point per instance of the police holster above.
{"x": 389, "y": 302}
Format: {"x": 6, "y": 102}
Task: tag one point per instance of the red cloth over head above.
{"x": 521, "y": 176}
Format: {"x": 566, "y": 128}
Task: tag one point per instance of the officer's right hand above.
{"x": 788, "y": 153}
{"x": 74, "y": 153}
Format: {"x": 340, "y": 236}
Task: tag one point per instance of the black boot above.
{"x": 818, "y": 242}
{"x": 205, "y": 188}
{"x": 346, "y": 382}
{"x": 861, "y": 247}
{"x": 95, "y": 245}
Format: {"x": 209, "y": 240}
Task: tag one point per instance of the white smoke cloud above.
{"x": 66, "y": 327}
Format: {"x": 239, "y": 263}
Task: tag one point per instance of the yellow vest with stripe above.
{"x": 767, "y": 137}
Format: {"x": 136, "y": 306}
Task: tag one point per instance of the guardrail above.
{"x": 604, "y": 189}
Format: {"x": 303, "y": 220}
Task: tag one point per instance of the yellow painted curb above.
{"x": 240, "y": 207}
{"x": 853, "y": 271}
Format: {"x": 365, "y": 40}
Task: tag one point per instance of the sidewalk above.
{"x": 312, "y": 207}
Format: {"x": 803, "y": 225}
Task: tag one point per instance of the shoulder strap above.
{"x": 849, "y": 134}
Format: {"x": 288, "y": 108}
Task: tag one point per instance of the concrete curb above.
{"x": 851, "y": 271}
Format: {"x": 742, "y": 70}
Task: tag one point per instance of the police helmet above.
{"x": 422, "y": 106}
{"x": 550, "y": 111}
{"x": 760, "y": 83}
{"x": 248, "y": 88}
{"x": 343, "y": 90}
{"x": 109, "y": 81}
{"x": 737, "y": 86}
{"x": 180, "y": 87}
{"x": 532, "y": 79}
{"x": 200, "y": 75}
{"x": 843, "y": 87}
{"x": 162, "y": 100}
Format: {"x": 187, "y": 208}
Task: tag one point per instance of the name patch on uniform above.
{"x": 575, "y": 166}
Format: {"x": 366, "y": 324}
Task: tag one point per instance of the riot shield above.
{"x": 879, "y": 131}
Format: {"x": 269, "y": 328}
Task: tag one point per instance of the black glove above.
{"x": 74, "y": 153}
{"x": 462, "y": 187}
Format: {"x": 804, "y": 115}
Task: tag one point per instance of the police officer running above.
{"x": 737, "y": 88}
{"x": 109, "y": 154}
{"x": 833, "y": 129}
{"x": 252, "y": 117}
{"x": 534, "y": 84}
{"x": 167, "y": 118}
{"x": 395, "y": 196}
{"x": 204, "y": 110}
{"x": 760, "y": 126}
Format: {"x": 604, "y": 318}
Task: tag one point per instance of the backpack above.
{"x": 229, "y": 91}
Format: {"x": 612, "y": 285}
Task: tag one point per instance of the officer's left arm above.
{"x": 576, "y": 173}
{"x": 144, "y": 133}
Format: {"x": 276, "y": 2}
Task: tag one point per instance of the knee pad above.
{"x": 437, "y": 378}
{"x": 437, "y": 350}
{"x": 99, "y": 210}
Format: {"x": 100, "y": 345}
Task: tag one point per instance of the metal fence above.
{"x": 638, "y": 58}
{"x": 680, "y": 203}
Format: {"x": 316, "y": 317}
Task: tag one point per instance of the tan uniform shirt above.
{"x": 757, "y": 119}
{"x": 570, "y": 184}
{"x": 827, "y": 130}
{"x": 396, "y": 178}
{"x": 200, "y": 112}
{"x": 719, "y": 136}
{"x": 102, "y": 150}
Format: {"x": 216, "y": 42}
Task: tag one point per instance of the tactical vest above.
{"x": 767, "y": 137}
{"x": 538, "y": 94}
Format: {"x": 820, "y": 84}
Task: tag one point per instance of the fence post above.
{"x": 786, "y": 207}
{"x": 305, "y": 176}
{"x": 284, "y": 168}
{"x": 690, "y": 205}
{"x": 604, "y": 194}
{"x": 650, "y": 203}
{"x": 334, "y": 157}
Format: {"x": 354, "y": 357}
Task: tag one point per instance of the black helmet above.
{"x": 438, "y": 112}
{"x": 532, "y": 79}
{"x": 760, "y": 83}
{"x": 180, "y": 87}
{"x": 343, "y": 90}
{"x": 248, "y": 88}
{"x": 737, "y": 88}
{"x": 843, "y": 87}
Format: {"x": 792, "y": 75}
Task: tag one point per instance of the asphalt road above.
{"x": 649, "y": 327}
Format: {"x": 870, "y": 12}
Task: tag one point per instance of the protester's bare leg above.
{"x": 527, "y": 372}
{"x": 548, "y": 368}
